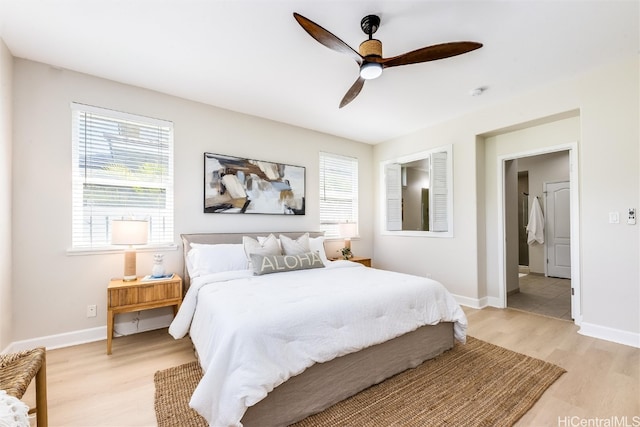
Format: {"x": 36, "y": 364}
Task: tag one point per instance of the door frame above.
{"x": 576, "y": 299}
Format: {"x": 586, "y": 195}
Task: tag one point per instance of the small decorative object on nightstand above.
{"x": 346, "y": 253}
{"x": 158, "y": 265}
{"x": 127, "y": 296}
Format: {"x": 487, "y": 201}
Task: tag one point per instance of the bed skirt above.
{"x": 325, "y": 384}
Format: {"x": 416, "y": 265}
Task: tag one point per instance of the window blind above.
{"x": 122, "y": 167}
{"x": 338, "y": 192}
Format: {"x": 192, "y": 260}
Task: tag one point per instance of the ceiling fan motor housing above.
{"x": 372, "y": 47}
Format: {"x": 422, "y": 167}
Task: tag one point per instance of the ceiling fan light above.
{"x": 370, "y": 70}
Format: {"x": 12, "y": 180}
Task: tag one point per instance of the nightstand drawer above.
{"x": 147, "y": 293}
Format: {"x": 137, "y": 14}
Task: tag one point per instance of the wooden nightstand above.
{"x": 124, "y": 297}
{"x": 361, "y": 260}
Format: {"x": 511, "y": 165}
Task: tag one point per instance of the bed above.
{"x": 278, "y": 370}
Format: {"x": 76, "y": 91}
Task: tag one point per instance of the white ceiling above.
{"x": 253, "y": 57}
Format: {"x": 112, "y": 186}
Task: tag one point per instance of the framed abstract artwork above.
{"x": 246, "y": 186}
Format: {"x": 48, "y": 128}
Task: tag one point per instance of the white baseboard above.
{"x": 68, "y": 339}
{"x": 494, "y": 302}
{"x": 609, "y": 334}
{"x": 467, "y": 302}
{"x": 477, "y": 303}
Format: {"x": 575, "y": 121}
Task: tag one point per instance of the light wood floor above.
{"x": 88, "y": 388}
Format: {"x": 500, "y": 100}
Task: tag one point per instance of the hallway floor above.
{"x": 548, "y": 296}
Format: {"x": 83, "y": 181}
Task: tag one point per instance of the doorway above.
{"x": 527, "y": 283}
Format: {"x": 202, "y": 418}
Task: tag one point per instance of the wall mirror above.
{"x": 418, "y": 194}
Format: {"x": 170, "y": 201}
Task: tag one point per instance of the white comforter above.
{"x": 252, "y": 333}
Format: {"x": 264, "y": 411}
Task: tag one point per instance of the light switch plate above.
{"x": 614, "y": 217}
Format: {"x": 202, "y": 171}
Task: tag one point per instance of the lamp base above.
{"x": 130, "y": 265}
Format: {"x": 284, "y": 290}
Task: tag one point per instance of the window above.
{"x": 338, "y": 192}
{"x": 418, "y": 194}
{"x": 122, "y": 167}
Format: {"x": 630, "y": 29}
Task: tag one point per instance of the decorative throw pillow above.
{"x": 316, "y": 244}
{"x": 261, "y": 240}
{"x": 295, "y": 247}
{"x": 268, "y": 246}
{"x": 279, "y": 263}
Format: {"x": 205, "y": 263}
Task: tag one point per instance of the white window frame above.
{"x": 391, "y": 200}
{"x": 152, "y": 139}
{"x": 344, "y": 169}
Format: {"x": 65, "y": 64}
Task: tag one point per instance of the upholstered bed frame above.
{"x": 325, "y": 384}
{"x": 220, "y": 238}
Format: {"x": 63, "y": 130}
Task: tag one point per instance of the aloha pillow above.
{"x": 295, "y": 247}
{"x": 265, "y": 264}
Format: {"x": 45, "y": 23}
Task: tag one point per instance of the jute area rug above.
{"x": 477, "y": 384}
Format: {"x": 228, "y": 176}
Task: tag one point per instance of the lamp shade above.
{"x": 348, "y": 230}
{"x": 129, "y": 232}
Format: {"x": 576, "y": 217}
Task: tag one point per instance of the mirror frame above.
{"x": 383, "y": 191}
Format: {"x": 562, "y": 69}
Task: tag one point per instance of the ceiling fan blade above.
{"x": 431, "y": 53}
{"x": 352, "y": 92}
{"x": 326, "y": 38}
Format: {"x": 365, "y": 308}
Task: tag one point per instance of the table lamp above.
{"x": 129, "y": 232}
{"x": 347, "y": 230}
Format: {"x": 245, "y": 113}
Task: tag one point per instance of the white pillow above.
{"x": 316, "y": 244}
{"x": 266, "y": 246}
{"x": 295, "y": 247}
{"x": 208, "y": 259}
{"x": 261, "y": 240}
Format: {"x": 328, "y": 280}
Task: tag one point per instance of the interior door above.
{"x": 558, "y": 229}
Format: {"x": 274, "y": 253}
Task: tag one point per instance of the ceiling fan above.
{"x": 369, "y": 58}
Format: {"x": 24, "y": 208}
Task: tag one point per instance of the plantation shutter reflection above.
{"x": 393, "y": 184}
{"x": 122, "y": 168}
{"x": 439, "y": 195}
{"x": 338, "y": 192}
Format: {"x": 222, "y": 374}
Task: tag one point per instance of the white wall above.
{"x": 52, "y": 289}
{"x": 6, "y": 100}
{"x": 607, "y": 99}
